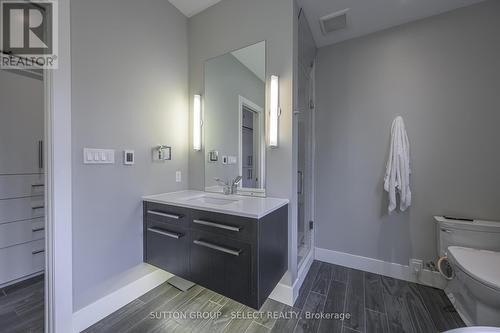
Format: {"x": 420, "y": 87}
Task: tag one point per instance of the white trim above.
{"x": 58, "y": 237}
{"x": 262, "y": 158}
{"x": 92, "y": 313}
{"x": 380, "y": 267}
{"x": 283, "y": 293}
{"x": 288, "y": 294}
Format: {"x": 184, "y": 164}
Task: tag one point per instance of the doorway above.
{"x": 251, "y": 131}
{"x": 22, "y": 199}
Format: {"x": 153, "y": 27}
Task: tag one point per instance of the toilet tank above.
{"x": 475, "y": 234}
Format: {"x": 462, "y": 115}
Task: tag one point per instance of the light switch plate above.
{"x": 178, "y": 177}
{"x": 98, "y": 156}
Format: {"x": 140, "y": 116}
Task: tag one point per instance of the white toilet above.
{"x": 472, "y": 249}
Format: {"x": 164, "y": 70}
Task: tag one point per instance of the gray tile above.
{"x": 209, "y": 309}
{"x": 323, "y": 278}
{"x": 287, "y": 323}
{"x": 257, "y": 328}
{"x": 117, "y": 318}
{"x": 156, "y": 312}
{"x": 269, "y": 311}
{"x": 307, "y": 285}
{"x": 355, "y": 303}
{"x": 373, "y": 293}
{"x": 315, "y": 304}
{"x": 237, "y": 325}
{"x": 397, "y": 314}
{"x": 376, "y": 322}
{"x": 402, "y": 308}
{"x": 419, "y": 314}
{"x": 442, "y": 312}
{"x": 349, "y": 330}
{"x": 226, "y": 314}
{"x": 24, "y": 284}
{"x": 340, "y": 274}
{"x": 335, "y": 303}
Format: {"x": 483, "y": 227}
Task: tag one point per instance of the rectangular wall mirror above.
{"x": 234, "y": 120}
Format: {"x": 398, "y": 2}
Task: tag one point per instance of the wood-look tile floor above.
{"x": 375, "y": 304}
{"x": 22, "y": 307}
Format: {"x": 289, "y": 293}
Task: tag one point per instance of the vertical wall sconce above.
{"x": 197, "y": 123}
{"x": 274, "y": 112}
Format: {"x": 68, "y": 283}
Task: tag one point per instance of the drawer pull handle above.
{"x": 217, "y": 225}
{"x": 217, "y": 248}
{"x": 37, "y": 185}
{"x": 38, "y": 252}
{"x": 172, "y": 216}
{"x": 165, "y": 233}
{"x": 38, "y": 207}
{"x": 38, "y": 229}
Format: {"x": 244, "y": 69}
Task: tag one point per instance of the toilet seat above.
{"x": 481, "y": 265}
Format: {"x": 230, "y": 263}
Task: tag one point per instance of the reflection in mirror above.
{"x": 234, "y": 121}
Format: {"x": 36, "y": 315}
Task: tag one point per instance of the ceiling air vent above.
{"x": 334, "y": 22}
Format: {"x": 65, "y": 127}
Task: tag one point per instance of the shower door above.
{"x": 305, "y": 162}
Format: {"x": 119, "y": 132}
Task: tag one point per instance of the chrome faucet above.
{"x": 234, "y": 184}
{"x": 228, "y": 188}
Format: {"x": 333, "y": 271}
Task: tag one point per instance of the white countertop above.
{"x": 245, "y": 206}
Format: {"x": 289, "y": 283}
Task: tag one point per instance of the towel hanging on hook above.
{"x": 397, "y": 174}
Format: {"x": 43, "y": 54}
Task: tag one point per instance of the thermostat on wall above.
{"x": 128, "y": 157}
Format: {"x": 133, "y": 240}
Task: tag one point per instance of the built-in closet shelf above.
{"x": 21, "y": 260}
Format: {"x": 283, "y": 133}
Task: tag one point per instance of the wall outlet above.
{"x": 178, "y": 177}
{"x": 416, "y": 266}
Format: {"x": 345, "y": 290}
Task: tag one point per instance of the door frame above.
{"x": 58, "y": 212}
{"x": 262, "y": 143}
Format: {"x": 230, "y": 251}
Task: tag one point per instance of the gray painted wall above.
{"x": 442, "y": 74}
{"x": 231, "y": 25}
{"x": 225, "y": 80}
{"x": 129, "y": 91}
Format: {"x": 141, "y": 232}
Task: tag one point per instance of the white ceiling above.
{"x": 253, "y": 57}
{"x": 367, "y": 16}
{"x": 192, "y": 7}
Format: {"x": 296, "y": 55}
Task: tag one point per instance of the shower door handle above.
{"x": 300, "y": 182}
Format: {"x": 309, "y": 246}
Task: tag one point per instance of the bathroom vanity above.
{"x": 234, "y": 245}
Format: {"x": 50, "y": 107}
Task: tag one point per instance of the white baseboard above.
{"x": 380, "y": 267}
{"x": 103, "y": 307}
{"x": 283, "y": 293}
{"x": 286, "y": 294}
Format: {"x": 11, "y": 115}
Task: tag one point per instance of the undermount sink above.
{"x": 213, "y": 200}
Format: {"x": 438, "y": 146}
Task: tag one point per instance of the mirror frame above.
{"x": 257, "y": 192}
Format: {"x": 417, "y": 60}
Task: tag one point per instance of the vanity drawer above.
{"x": 167, "y": 248}
{"x": 236, "y": 227}
{"x": 177, "y": 216}
{"x": 222, "y": 265}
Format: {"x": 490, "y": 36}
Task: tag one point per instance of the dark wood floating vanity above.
{"x": 239, "y": 257}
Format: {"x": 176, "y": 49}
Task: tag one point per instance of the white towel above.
{"x": 397, "y": 175}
